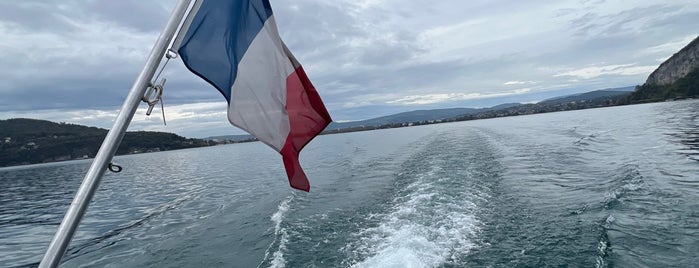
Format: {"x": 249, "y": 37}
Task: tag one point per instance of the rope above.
{"x": 170, "y": 54}
{"x": 162, "y": 108}
{"x": 161, "y": 71}
{"x": 157, "y": 89}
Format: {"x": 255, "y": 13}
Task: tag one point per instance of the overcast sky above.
{"x": 75, "y": 60}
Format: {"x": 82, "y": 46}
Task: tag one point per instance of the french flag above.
{"x": 235, "y": 46}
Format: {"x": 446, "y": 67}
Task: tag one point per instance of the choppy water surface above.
{"x": 611, "y": 187}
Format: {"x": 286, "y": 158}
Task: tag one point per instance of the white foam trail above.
{"x": 425, "y": 228}
{"x": 280, "y": 234}
{"x": 602, "y": 245}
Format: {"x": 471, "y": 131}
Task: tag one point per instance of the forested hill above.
{"x": 29, "y": 141}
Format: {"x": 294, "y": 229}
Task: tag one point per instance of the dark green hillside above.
{"x": 588, "y": 96}
{"x": 29, "y": 141}
{"x": 32, "y": 127}
{"x": 143, "y": 141}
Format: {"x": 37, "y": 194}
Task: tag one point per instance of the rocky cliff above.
{"x": 677, "y": 66}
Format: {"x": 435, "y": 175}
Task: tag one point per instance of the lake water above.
{"x": 593, "y": 188}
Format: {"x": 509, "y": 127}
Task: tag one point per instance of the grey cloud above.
{"x": 683, "y": 22}
{"x": 635, "y": 20}
{"x": 143, "y": 15}
{"x": 55, "y": 16}
{"x": 65, "y": 93}
{"x": 33, "y": 16}
{"x": 622, "y": 37}
{"x": 304, "y": 34}
{"x": 592, "y": 2}
{"x": 351, "y": 51}
{"x": 103, "y": 86}
{"x": 392, "y": 52}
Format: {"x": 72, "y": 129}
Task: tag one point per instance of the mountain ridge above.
{"x": 427, "y": 116}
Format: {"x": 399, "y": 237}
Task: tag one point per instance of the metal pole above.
{"x": 111, "y": 142}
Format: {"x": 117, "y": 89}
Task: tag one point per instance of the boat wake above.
{"x": 423, "y": 229}
{"x": 431, "y": 220}
{"x": 281, "y": 236}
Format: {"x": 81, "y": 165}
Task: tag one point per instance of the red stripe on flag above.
{"x": 307, "y": 118}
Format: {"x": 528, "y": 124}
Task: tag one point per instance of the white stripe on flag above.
{"x": 258, "y": 95}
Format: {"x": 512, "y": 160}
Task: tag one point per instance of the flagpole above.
{"x": 111, "y": 142}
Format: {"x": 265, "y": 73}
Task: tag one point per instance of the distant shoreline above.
{"x": 525, "y": 109}
{"x": 515, "y": 111}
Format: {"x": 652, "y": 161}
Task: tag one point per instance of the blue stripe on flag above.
{"x": 219, "y": 36}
